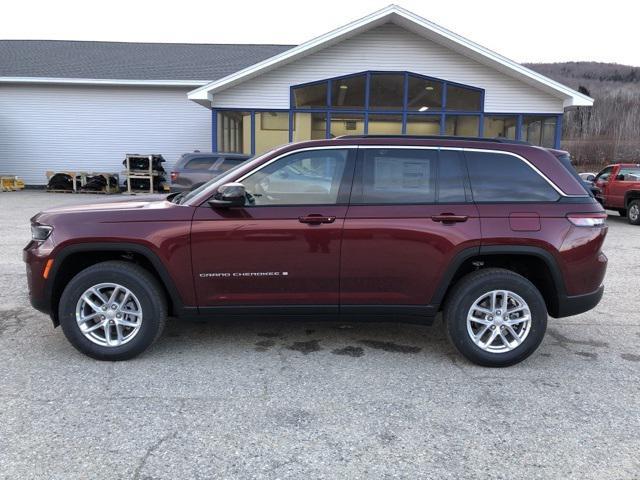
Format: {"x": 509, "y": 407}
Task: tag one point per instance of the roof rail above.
{"x": 440, "y": 137}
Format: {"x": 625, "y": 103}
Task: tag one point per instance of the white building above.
{"x": 83, "y": 105}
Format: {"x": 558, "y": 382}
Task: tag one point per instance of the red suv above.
{"x": 495, "y": 234}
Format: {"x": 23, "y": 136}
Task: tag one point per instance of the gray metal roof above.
{"x": 128, "y": 61}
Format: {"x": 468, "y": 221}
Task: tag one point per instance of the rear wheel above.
{"x": 112, "y": 310}
{"x": 633, "y": 212}
{"x": 495, "y": 317}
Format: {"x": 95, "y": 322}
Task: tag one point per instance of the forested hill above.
{"x": 610, "y": 130}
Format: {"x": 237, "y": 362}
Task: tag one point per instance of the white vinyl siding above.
{"x": 391, "y": 48}
{"x": 80, "y": 128}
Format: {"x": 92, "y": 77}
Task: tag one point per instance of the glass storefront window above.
{"x": 349, "y": 92}
{"x": 423, "y": 124}
{"x": 309, "y": 126}
{"x": 272, "y": 130}
{"x": 234, "y": 132}
{"x": 310, "y": 96}
{"x": 539, "y": 130}
{"x": 423, "y": 94}
{"x": 386, "y": 91}
{"x": 462, "y": 125}
{"x": 385, "y": 124}
{"x": 346, "y": 124}
{"x": 463, "y": 99}
{"x": 500, "y": 126}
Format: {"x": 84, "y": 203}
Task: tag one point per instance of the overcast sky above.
{"x": 524, "y": 30}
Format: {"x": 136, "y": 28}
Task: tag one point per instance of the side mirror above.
{"x": 229, "y": 195}
{"x": 620, "y": 177}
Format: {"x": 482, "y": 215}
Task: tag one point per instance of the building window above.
{"x": 423, "y": 124}
{"x": 349, "y": 92}
{"x": 539, "y": 130}
{"x": 234, "y": 132}
{"x": 309, "y": 126}
{"x": 385, "y": 124}
{"x": 346, "y": 124}
{"x": 380, "y": 103}
{"x": 463, "y": 99}
{"x": 462, "y": 125}
{"x": 310, "y": 96}
{"x": 271, "y": 130}
{"x": 386, "y": 91}
{"x": 423, "y": 95}
{"x": 500, "y": 126}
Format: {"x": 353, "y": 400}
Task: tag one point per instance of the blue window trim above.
{"x": 328, "y": 110}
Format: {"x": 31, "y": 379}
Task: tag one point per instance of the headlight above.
{"x": 40, "y": 232}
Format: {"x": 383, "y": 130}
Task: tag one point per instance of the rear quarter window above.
{"x": 498, "y": 177}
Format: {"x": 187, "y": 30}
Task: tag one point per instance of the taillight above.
{"x": 174, "y": 176}
{"x": 587, "y": 219}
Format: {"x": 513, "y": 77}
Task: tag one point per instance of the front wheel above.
{"x": 633, "y": 212}
{"x": 495, "y": 317}
{"x": 112, "y": 310}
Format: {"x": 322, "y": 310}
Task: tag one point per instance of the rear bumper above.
{"x": 575, "y": 304}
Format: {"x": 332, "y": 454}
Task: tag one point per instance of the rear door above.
{"x": 410, "y": 214}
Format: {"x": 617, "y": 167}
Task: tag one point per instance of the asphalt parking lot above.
{"x": 300, "y": 399}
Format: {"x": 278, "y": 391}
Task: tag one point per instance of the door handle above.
{"x": 449, "y": 218}
{"x": 316, "y": 219}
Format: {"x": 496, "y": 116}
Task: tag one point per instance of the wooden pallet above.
{"x": 80, "y": 180}
{"x": 10, "y": 183}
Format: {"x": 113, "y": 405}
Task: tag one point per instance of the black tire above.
{"x": 633, "y": 212}
{"x": 471, "y": 287}
{"x": 622, "y": 212}
{"x": 141, "y": 283}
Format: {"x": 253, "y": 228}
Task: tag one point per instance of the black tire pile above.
{"x": 140, "y": 164}
{"x": 98, "y": 183}
{"x": 60, "y": 181}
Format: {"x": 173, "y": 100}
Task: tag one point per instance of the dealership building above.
{"x": 84, "y": 105}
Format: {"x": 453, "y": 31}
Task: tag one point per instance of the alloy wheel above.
{"x": 109, "y": 314}
{"x": 499, "y": 321}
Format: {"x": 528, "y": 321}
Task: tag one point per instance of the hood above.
{"x": 119, "y": 203}
{"x": 146, "y": 207}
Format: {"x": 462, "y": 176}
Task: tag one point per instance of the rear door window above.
{"x": 227, "y": 163}
{"x": 396, "y": 176}
{"x": 201, "y": 163}
{"x": 498, "y": 177}
{"x": 629, "y": 174}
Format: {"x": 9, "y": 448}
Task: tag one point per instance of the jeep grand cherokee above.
{"x": 496, "y": 235}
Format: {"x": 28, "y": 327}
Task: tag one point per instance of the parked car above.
{"x": 495, "y": 235}
{"x": 195, "y": 168}
{"x": 618, "y": 188}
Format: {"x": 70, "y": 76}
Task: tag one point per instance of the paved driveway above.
{"x": 299, "y": 399}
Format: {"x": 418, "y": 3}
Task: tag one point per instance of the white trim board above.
{"x": 411, "y": 22}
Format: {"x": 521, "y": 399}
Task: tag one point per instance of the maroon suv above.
{"x": 497, "y": 235}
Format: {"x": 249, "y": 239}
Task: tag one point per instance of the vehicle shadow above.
{"x": 306, "y": 335}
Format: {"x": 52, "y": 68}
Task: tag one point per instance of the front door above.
{"x": 408, "y": 218}
{"x": 283, "y": 246}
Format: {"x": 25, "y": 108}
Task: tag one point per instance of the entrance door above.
{"x": 283, "y": 246}
{"x": 408, "y": 218}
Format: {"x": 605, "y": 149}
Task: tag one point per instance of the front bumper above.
{"x": 35, "y": 261}
{"x": 575, "y": 304}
